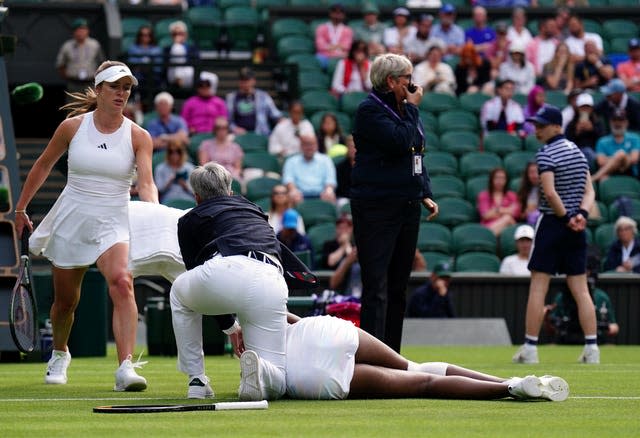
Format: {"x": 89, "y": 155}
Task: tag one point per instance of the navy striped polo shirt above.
{"x": 567, "y": 162}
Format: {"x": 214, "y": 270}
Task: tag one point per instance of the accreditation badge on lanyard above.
{"x": 417, "y": 150}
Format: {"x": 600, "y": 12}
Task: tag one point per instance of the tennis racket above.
{"x": 23, "y": 310}
{"x": 143, "y": 409}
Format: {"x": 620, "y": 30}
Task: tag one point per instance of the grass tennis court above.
{"x": 604, "y": 401}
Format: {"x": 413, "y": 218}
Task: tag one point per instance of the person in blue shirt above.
{"x": 482, "y": 35}
{"x": 618, "y": 152}
{"x": 167, "y": 126}
{"x": 433, "y": 299}
{"x": 447, "y": 31}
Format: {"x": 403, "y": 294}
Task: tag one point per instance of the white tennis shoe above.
{"x": 57, "y": 367}
{"x": 554, "y": 388}
{"x": 590, "y": 355}
{"x": 126, "y": 377}
{"x": 526, "y": 354}
{"x": 199, "y": 388}
{"x": 525, "y": 388}
{"x": 250, "y": 378}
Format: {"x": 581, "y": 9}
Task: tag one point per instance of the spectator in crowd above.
{"x": 346, "y": 279}
{"x": 585, "y": 128}
{"x": 334, "y": 251}
{"x": 79, "y": 57}
{"x": 502, "y": 112}
{"x": 481, "y": 34}
{"x": 352, "y": 73}
{"x": 145, "y": 50}
{"x": 498, "y": 206}
{"x": 200, "y": 111}
{"x": 343, "y": 173}
{"x": 562, "y": 23}
{"x": 402, "y": 28}
{"x": 448, "y": 31}
{"x": 569, "y": 111}
{"x": 518, "y": 32}
{"x": 618, "y": 152}
{"x": 434, "y": 75}
{"x": 333, "y": 38}
{"x": 222, "y": 149}
{"x": 433, "y": 299}
{"x": 415, "y": 47}
{"x": 559, "y": 72}
{"x": 370, "y": 30}
{"x": 624, "y": 253}
{"x": 166, "y": 126}
{"x": 285, "y": 138}
{"x": 535, "y": 101}
{"x": 310, "y": 174}
{"x": 516, "y": 264}
{"x": 473, "y": 72}
{"x": 330, "y": 132}
{"x": 529, "y": 194}
{"x": 578, "y": 37}
{"x": 518, "y": 69}
{"x": 594, "y": 70}
{"x": 499, "y": 50}
{"x": 251, "y": 109}
{"x": 629, "y": 71}
{"x": 181, "y": 51}
{"x": 290, "y": 236}
{"x": 172, "y": 175}
{"x": 542, "y": 47}
{"x": 281, "y": 202}
{"x": 618, "y": 99}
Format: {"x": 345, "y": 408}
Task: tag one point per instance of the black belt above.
{"x": 262, "y": 257}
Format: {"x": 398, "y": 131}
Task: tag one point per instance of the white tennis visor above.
{"x": 114, "y": 73}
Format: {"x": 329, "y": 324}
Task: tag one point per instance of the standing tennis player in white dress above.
{"x": 89, "y": 222}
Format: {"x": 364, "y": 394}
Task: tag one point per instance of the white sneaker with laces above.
{"x": 590, "y": 355}
{"x": 250, "y": 378}
{"x": 57, "y": 367}
{"x": 199, "y": 388}
{"x": 525, "y": 388}
{"x": 526, "y": 354}
{"x": 554, "y": 388}
{"x": 126, "y": 377}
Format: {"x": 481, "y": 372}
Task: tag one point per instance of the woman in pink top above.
{"x": 498, "y": 207}
{"x": 201, "y": 110}
{"x": 222, "y": 149}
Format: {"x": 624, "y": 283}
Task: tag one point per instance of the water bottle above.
{"x": 46, "y": 340}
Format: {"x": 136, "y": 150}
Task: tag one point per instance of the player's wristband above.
{"x": 584, "y": 213}
{"x": 565, "y": 219}
{"x": 231, "y": 330}
{"x": 20, "y": 211}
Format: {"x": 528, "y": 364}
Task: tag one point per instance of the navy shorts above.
{"x": 557, "y": 249}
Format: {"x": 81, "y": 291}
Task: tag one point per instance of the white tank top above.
{"x": 101, "y": 165}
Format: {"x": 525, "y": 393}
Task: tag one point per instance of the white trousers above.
{"x": 255, "y": 291}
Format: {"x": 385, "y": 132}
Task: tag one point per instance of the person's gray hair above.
{"x": 178, "y": 25}
{"x": 163, "y": 96}
{"x": 388, "y": 64}
{"x": 210, "y": 180}
{"x": 624, "y": 221}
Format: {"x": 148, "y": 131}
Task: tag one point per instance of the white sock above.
{"x": 413, "y": 366}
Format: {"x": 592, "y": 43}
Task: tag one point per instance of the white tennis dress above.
{"x": 321, "y": 357}
{"x": 90, "y": 216}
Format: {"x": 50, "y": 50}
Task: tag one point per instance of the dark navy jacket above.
{"x": 384, "y": 160}
{"x": 614, "y": 256}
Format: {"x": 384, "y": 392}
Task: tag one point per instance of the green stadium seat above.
{"x": 289, "y": 45}
{"x": 440, "y": 163}
{"x": 501, "y": 142}
{"x": 236, "y": 186}
{"x": 250, "y": 141}
{"x": 477, "y": 262}
{"x": 618, "y": 185}
{"x": 182, "y": 204}
{"x": 262, "y": 5}
{"x": 350, "y": 101}
{"x": 429, "y": 121}
{"x": 304, "y": 61}
{"x": 343, "y": 120}
{"x": 194, "y": 144}
{"x": 433, "y": 258}
{"x": 618, "y": 45}
{"x": 283, "y": 27}
{"x": 602, "y": 216}
{"x": 434, "y": 237}
{"x": 531, "y": 143}
{"x": 438, "y": 102}
{"x": 622, "y": 3}
{"x": 604, "y": 236}
{"x": 556, "y": 98}
{"x": 306, "y": 257}
{"x": 263, "y": 203}
{"x": 591, "y": 25}
{"x": 515, "y": 162}
{"x": 473, "y": 237}
{"x": 432, "y": 141}
{"x": 242, "y": 26}
{"x": 457, "y": 120}
{"x": 473, "y": 101}
{"x": 478, "y": 163}
{"x": 319, "y": 234}
{"x": 316, "y": 211}
{"x": 447, "y": 186}
{"x": 261, "y": 160}
{"x": 226, "y": 4}
{"x": 460, "y": 143}
{"x": 130, "y": 25}
{"x": 614, "y": 211}
{"x": 206, "y": 24}
{"x": 312, "y": 80}
{"x": 454, "y": 211}
{"x": 619, "y": 28}
{"x": 475, "y": 185}
{"x": 521, "y": 99}
{"x": 507, "y": 242}
{"x": 260, "y": 187}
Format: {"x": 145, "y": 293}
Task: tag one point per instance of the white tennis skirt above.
{"x": 321, "y": 357}
{"x": 77, "y": 231}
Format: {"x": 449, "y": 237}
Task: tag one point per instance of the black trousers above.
{"x": 386, "y": 232}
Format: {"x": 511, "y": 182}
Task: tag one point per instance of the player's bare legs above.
{"x": 586, "y": 311}
{"x": 535, "y": 304}
{"x": 66, "y": 296}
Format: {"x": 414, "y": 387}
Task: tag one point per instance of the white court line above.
{"x": 606, "y": 397}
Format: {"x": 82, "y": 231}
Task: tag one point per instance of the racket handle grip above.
{"x": 24, "y": 250}
{"x": 230, "y": 406}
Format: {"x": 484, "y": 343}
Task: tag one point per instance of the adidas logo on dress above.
{"x": 102, "y": 146}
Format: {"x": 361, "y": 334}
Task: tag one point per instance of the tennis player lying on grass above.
{"x": 330, "y": 358}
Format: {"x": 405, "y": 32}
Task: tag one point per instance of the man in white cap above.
{"x": 516, "y": 264}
